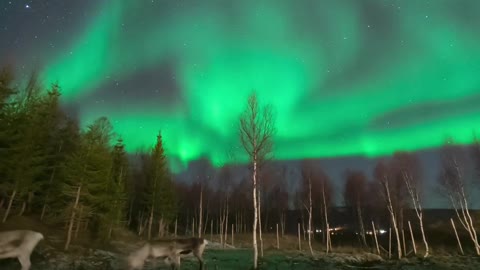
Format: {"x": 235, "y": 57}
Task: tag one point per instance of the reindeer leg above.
{"x": 175, "y": 262}
{"x": 25, "y": 262}
{"x": 200, "y": 258}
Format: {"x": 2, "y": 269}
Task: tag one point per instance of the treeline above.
{"x": 79, "y": 178}
{"x": 84, "y": 181}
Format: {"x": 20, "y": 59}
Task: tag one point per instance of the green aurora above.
{"x": 358, "y": 77}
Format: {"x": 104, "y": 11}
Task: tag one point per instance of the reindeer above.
{"x": 168, "y": 249}
{"x": 19, "y": 244}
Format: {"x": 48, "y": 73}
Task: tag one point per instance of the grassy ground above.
{"x": 50, "y": 255}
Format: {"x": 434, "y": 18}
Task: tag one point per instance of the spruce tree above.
{"x": 117, "y": 187}
{"x": 88, "y": 173}
{"x": 159, "y": 194}
{"x": 25, "y": 155}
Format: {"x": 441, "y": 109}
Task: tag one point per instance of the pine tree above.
{"x": 6, "y": 120}
{"x": 66, "y": 143}
{"x": 25, "y": 156}
{"x": 117, "y": 187}
{"x": 159, "y": 194}
{"x": 88, "y": 173}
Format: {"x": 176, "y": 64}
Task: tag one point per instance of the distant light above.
{"x": 27, "y": 6}
{"x": 383, "y": 231}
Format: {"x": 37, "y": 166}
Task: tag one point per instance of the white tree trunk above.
{"x": 326, "y": 218}
{"x": 278, "y": 241}
{"x": 414, "y": 195}
{"x": 9, "y": 207}
{"x": 226, "y": 223}
{"x": 299, "y": 237}
{"x": 150, "y": 223}
{"x": 255, "y": 214}
{"x": 232, "y": 233}
{"x": 310, "y": 216}
{"x": 393, "y": 219}
{"x": 200, "y": 212}
{"x": 362, "y": 226}
{"x": 72, "y": 218}
{"x": 175, "y": 230}
{"x": 260, "y": 224}
{"x": 413, "y": 239}
{"x": 456, "y": 235}
{"x": 375, "y": 237}
{"x": 22, "y": 210}
{"x": 161, "y": 227}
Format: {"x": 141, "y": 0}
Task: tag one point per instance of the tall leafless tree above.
{"x": 388, "y": 188}
{"x": 256, "y": 134}
{"x": 317, "y": 187}
{"x": 204, "y": 174}
{"x": 452, "y": 180}
{"x": 409, "y": 166}
{"x": 307, "y": 176}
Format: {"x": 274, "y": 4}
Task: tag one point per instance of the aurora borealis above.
{"x": 346, "y": 77}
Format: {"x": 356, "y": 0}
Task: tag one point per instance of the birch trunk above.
{"x": 362, "y": 226}
{"x": 150, "y": 223}
{"x": 456, "y": 235}
{"x": 413, "y": 239}
{"x": 9, "y": 207}
{"x": 79, "y": 222}
{"x": 299, "y": 237}
{"x": 226, "y": 223}
{"x": 310, "y": 215}
{"x": 200, "y": 218}
{"x": 260, "y": 224}
{"x": 414, "y": 194}
{"x": 130, "y": 212}
{"x": 326, "y": 218}
{"x": 255, "y": 213}
{"x": 393, "y": 219}
{"x": 72, "y": 218}
{"x": 232, "y": 233}
{"x": 278, "y": 241}
{"x": 375, "y": 237}
{"x": 176, "y": 226}
{"x": 22, "y": 210}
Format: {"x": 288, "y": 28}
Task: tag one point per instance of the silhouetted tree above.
{"x": 355, "y": 195}
{"x": 390, "y": 188}
{"x": 452, "y": 181}
{"x": 88, "y": 172}
{"x": 159, "y": 195}
{"x": 256, "y": 134}
{"x": 409, "y": 165}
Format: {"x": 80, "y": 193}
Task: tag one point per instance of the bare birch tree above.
{"x": 408, "y": 164}
{"x": 317, "y": 187}
{"x": 307, "y": 186}
{"x": 256, "y": 135}
{"x": 452, "y": 180}
{"x": 384, "y": 178}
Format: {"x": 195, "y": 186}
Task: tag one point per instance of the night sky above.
{"x": 347, "y": 78}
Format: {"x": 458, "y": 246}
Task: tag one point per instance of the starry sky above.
{"x": 347, "y": 78}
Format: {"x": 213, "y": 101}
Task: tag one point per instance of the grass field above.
{"x": 86, "y": 254}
